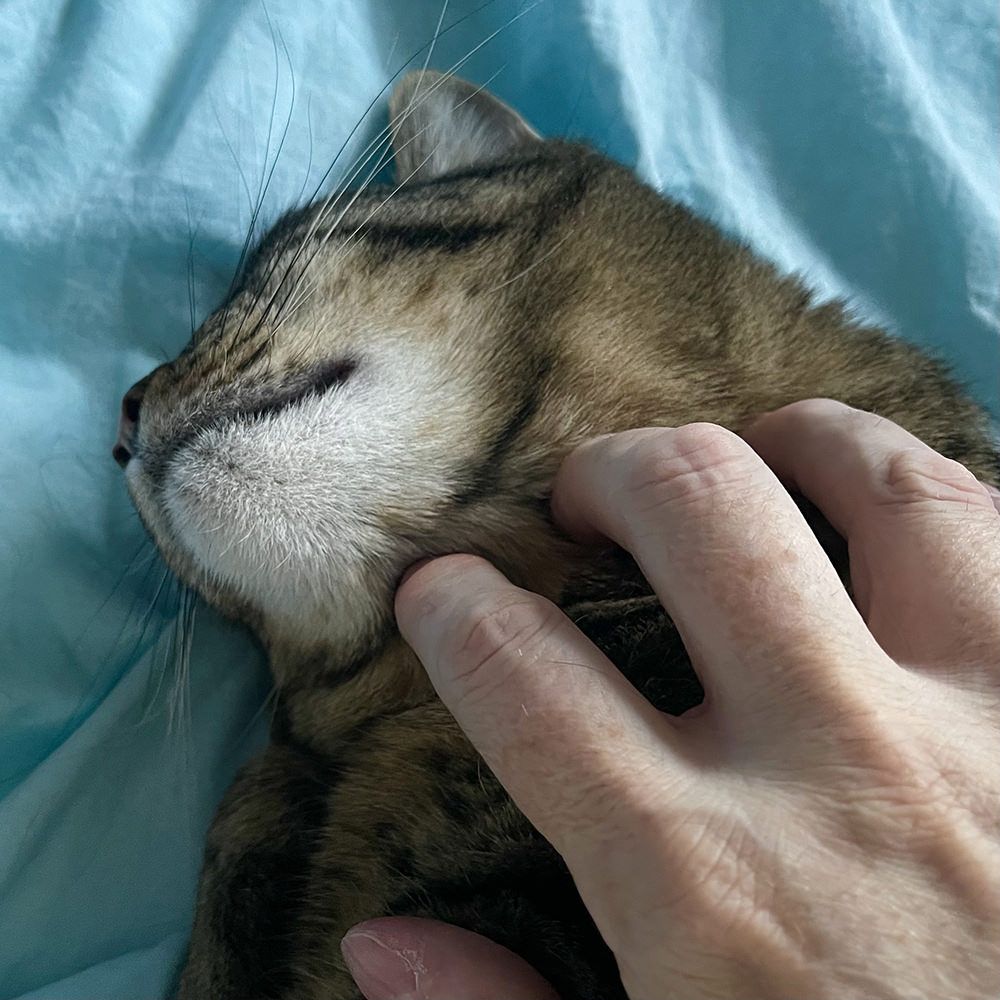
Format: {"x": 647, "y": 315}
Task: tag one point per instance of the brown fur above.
{"x": 555, "y": 297}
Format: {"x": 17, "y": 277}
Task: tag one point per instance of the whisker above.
{"x": 430, "y": 50}
{"x": 269, "y": 705}
{"x": 380, "y": 138}
{"x": 391, "y": 52}
{"x": 288, "y": 121}
{"x": 131, "y": 566}
{"x": 351, "y": 239}
{"x": 314, "y": 226}
{"x": 309, "y": 164}
{"x": 264, "y": 176}
{"x": 517, "y": 277}
{"x": 192, "y": 305}
{"x": 275, "y": 262}
{"x": 118, "y": 644}
{"x": 332, "y": 200}
{"x": 157, "y": 669}
{"x": 385, "y": 87}
{"x": 256, "y": 208}
{"x": 261, "y": 186}
{"x": 384, "y": 135}
{"x": 179, "y": 701}
{"x": 233, "y": 154}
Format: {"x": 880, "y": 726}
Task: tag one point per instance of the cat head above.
{"x": 398, "y": 374}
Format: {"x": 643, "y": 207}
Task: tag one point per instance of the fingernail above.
{"x": 412, "y": 569}
{"x": 381, "y": 972}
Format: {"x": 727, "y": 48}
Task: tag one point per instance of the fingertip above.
{"x": 412, "y": 958}
{"x": 431, "y": 579}
{"x": 816, "y": 408}
{"x": 411, "y": 569}
{"x": 377, "y": 962}
{"x": 776, "y": 436}
{"x": 567, "y": 510}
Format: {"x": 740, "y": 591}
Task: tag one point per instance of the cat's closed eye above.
{"x": 303, "y": 385}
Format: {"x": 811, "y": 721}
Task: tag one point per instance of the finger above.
{"x": 923, "y": 532}
{"x": 994, "y": 495}
{"x": 408, "y": 958}
{"x": 561, "y": 728}
{"x": 755, "y": 598}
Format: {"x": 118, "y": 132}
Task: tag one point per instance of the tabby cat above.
{"x": 399, "y": 374}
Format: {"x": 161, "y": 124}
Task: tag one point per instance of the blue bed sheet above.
{"x": 854, "y": 141}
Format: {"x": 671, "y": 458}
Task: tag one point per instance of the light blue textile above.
{"x": 852, "y": 140}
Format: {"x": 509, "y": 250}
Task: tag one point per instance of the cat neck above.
{"x": 321, "y": 698}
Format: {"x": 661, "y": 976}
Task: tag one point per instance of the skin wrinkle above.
{"x": 914, "y": 476}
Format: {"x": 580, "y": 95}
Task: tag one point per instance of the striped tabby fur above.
{"x": 401, "y": 376}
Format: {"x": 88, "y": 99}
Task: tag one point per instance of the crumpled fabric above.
{"x": 853, "y": 141}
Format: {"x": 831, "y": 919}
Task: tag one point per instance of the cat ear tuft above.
{"x": 442, "y": 123}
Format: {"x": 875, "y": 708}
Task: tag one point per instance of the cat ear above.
{"x": 441, "y": 123}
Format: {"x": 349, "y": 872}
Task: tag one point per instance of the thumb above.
{"x": 409, "y": 958}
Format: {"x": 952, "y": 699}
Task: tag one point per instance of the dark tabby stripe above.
{"x": 259, "y": 896}
{"x": 486, "y": 171}
{"x": 313, "y": 382}
{"x": 415, "y": 238}
{"x": 484, "y": 479}
{"x": 564, "y": 200}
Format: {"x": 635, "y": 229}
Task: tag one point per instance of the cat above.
{"x": 399, "y": 374}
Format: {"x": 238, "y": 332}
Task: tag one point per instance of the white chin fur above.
{"x": 284, "y": 509}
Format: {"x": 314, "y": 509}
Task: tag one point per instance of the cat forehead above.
{"x": 412, "y": 257}
{"x": 448, "y": 213}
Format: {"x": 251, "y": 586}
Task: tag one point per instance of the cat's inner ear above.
{"x": 441, "y": 123}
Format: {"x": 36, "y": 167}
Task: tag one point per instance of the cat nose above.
{"x": 128, "y": 422}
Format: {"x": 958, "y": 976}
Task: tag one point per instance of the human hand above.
{"x": 827, "y": 823}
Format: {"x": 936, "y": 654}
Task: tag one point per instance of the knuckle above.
{"x": 685, "y": 464}
{"x": 502, "y": 633}
{"x": 921, "y": 476}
